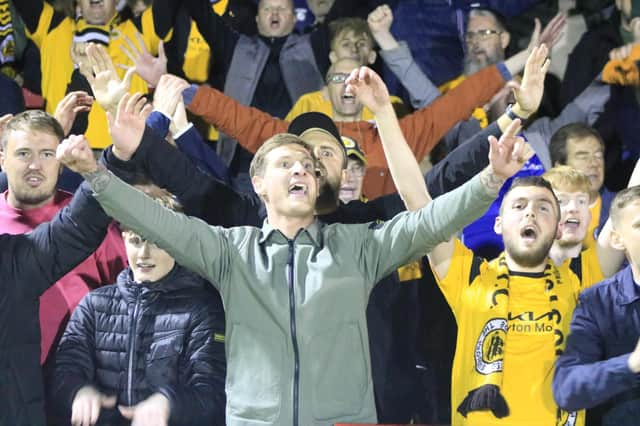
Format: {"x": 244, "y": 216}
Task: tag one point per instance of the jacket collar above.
{"x": 629, "y": 290}
{"x": 178, "y": 278}
{"x": 312, "y": 234}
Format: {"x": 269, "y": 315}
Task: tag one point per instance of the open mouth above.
{"x": 298, "y": 189}
{"x": 34, "y": 180}
{"x": 571, "y": 224}
{"x": 274, "y": 23}
{"x": 348, "y": 98}
{"x": 529, "y": 233}
{"x": 95, "y": 2}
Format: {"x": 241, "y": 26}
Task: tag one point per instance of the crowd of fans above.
{"x": 278, "y": 212}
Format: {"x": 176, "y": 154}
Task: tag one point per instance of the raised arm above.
{"x": 434, "y": 224}
{"x": 398, "y": 58}
{"x": 371, "y": 91}
{"x": 440, "y": 256}
{"x": 179, "y": 235}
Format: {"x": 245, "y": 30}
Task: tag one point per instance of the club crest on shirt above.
{"x": 489, "y": 349}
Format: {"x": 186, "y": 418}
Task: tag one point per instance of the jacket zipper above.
{"x": 294, "y": 339}
{"x": 132, "y": 346}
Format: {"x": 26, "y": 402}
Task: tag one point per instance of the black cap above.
{"x": 318, "y": 121}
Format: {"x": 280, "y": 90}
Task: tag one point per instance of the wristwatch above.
{"x": 512, "y": 115}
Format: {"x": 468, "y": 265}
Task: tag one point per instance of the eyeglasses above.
{"x": 356, "y": 170}
{"x": 337, "y": 78}
{"x": 480, "y": 34}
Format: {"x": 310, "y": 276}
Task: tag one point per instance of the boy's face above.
{"x": 349, "y": 45}
{"x": 147, "y": 262}
{"x": 97, "y": 12}
{"x": 626, "y": 232}
{"x": 574, "y": 216}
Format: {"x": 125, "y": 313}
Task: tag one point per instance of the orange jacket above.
{"x": 422, "y": 129}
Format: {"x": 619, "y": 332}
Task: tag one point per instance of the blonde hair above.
{"x": 566, "y": 178}
{"x": 258, "y": 163}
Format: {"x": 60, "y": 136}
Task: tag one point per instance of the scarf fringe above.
{"x": 486, "y": 397}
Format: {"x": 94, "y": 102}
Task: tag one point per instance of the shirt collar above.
{"x": 311, "y": 234}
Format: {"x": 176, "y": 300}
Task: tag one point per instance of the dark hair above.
{"x": 357, "y": 25}
{"x": 34, "y": 121}
{"x": 498, "y": 17}
{"x": 558, "y": 143}
{"x": 535, "y": 181}
{"x": 622, "y": 200}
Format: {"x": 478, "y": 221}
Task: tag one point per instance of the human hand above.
{"x": 153, "y": 411}
{"x": 368, "y": 88}
{"x": 167, "y": 95}
{"x": 507, "y": 155}
{"x": 70, "y": 106}
{"x": 150, "y": 68}
{"x": 105, "y": 83}
{"x": 528, "y": 93}
{"x": 551, "y": 34}
{"x": 380, "y": 19}
{"x": 128, "y": 124}
{"x": 75, "y": 153}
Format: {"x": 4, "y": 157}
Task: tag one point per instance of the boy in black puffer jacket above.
{"x": 149, "y": 348}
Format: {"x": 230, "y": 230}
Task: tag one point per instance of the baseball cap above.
{"x": 353, "y": 149}
{"x": 316, "y": 121}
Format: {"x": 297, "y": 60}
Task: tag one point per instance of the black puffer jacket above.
{"x": 132, "y": 340}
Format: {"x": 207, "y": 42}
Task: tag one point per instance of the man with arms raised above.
{"x": 309, "y": 364}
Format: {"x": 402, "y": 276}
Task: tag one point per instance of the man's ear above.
{"x": 372, "y": 57}
{"x": 615, "y": 240}
{"x": 258, "y": 185}
{"x": 333, "y": 58}
{"x": 559, "y": 230}
{"x": 497, "y": 225}
{"x": 505, "y": 38}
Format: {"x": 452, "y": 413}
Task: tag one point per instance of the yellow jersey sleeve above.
{"x": 458, "y": 275}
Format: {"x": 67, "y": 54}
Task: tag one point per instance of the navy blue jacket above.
{"x": 593, "y": 371}
{"x": 132, "y": 340}
{"x": 29, "y": 264}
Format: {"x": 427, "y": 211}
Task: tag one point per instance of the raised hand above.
{"x": 529, "y": 92}
{"x": 507, "y": 155}
{"x": 75, "y": 153}
{"x": 551, "y": 34}
{"x": 107, "y": 87}
{"x": 153, "y": 411}
{"x": 150, "y": 68}
{"x": 70, "y": 106}
{"x": 380, "y": 19}
{"x": 128, "y": 124}
{"x": 167, "y": 95}
{"x": 368, "y": 88}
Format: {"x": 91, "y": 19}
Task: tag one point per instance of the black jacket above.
{"x": 132, "y": 340}
{"x": 29, "y": 264}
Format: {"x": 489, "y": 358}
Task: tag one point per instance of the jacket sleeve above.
{"x": 54, "y": 248}
{"x": 583, "y": 378}
{"x": 249, "y": 126}
{"x": 202, "y": 248}
{"x": 220, "y": 37}
{"x": 461, "y": 164}
{"x": 164, "y": 14}
{"x": 411, "y": 235}
{"x": 201, "y": 399}
{"x": 74, "y": 361}
{"x": 400, "y": 61}
{"x": 190, "y": 143}
{"x": 424, "y": 128}
{"x": 200, "y": 194}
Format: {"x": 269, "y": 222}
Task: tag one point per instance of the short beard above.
{"x": 327, "y": 199}
{"x": 31, "y": 199}
{"x": 529, "y": 258}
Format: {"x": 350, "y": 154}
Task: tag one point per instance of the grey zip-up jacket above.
{"x": 296, "y": 339}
